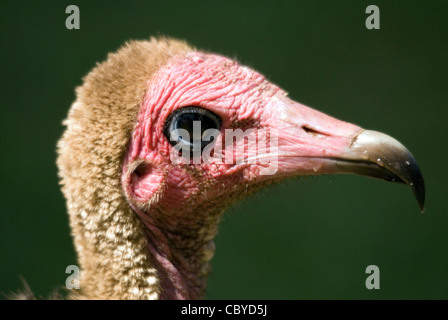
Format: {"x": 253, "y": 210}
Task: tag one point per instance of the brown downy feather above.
{"x": 109, "y": 238}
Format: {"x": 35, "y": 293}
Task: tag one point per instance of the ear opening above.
{"x": 143, "y": 183}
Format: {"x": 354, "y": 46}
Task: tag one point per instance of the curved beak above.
{"x": 310, "y": 142}
{"x": 375, "y": 154}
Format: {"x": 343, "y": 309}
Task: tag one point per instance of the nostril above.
{"x": 312, "y": 131}
{"x": 307, "y": 129}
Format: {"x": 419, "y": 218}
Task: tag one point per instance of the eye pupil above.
{"x": 186, "y": 121}
{"x": 195, "y": 121}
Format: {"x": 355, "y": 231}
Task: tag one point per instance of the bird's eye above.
{"x": 188, "y": 128}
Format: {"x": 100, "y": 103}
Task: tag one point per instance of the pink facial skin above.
{"x": 173, "y": 199}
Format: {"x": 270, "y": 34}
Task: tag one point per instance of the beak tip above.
{"x": 420, "y": 195}
{"x": 418, "y": 184}
{"x": 418, "y": 188}
{"x": 422, "y": 208}
{"x": 397, "y": 163}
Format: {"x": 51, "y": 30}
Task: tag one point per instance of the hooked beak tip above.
{"x": 381, "y": 156}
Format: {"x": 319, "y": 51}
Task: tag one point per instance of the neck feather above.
{"x": 181, "y": 253}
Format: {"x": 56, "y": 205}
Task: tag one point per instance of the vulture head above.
{"x": 163, "y": 137}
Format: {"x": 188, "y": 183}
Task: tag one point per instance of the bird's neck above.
{"x": 181, "y": 249}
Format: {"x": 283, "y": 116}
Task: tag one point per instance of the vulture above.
{"x": 163, "y": 137}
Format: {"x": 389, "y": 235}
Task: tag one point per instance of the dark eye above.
{"x": 186, "y": 126}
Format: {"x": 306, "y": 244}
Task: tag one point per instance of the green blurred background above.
{"x": 310, "y": 238}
